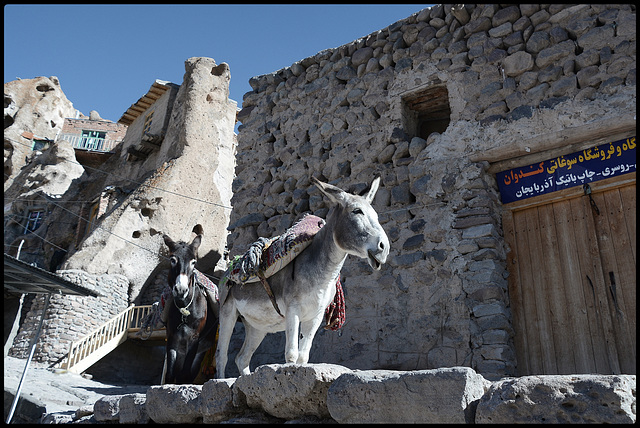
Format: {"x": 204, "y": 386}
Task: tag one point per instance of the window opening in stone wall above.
{"x": 147, "y": 123}
{"x": 427, "y": 111}
{"x": 40, "y": 145}
{"x": 34, "y": 220}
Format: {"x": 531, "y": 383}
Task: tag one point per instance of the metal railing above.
{"x": 93, "y": 144}
{"x": 87, "y": 351}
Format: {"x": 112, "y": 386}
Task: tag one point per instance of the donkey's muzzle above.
{"x": 181, "y": 287}
{"x": 376, "y": 260}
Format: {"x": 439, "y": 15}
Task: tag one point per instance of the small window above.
{"x": 40, "y": 145}
{"x": 147, "y": 123}
{"x": 34, "y": 220}
{"x": 427, "y": 111}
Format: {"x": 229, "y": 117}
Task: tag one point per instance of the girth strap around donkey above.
{"x": 267, "y": 256}
{"x": 267, "y": 288}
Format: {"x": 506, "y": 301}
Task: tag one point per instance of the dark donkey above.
{"x": 191, "y": 317}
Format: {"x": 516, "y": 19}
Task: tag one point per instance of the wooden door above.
{"x": 572, "y": 280}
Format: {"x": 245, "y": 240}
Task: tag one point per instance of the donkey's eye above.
{"x": 174, "y": 261}
{"x": 192, "y": 263}
{"x": 357, "y": 211}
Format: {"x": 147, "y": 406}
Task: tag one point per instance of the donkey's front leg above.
{"x": 228, "y": 316}
{"x": 291, "y": 333}
{"x": 252, "y": 339}
{"x": 171, "y": 357}
{"x": 308, "y": 330}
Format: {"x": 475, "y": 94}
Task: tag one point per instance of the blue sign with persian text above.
{"x": 597, "y": 163}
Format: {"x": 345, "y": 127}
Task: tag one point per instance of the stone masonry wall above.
{"x": 511, "y": 72}
{"x": 70, "y": 318}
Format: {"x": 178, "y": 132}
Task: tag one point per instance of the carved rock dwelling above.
{"x": 174, "y": 167}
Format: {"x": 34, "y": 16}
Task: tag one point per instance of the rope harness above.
{"x": 154, "y": 317}
{"x": 185, "y": 311}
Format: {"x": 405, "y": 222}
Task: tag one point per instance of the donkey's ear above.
{"x": 198, "y": 229}
{"x": 196, "y": 242}
{"x": 169, "y": 242}
{"x": 374, "y": 188}
{"x": 330, "y": 191}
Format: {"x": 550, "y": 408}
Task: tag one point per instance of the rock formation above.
{"x": 187, "y": 181}
{"x": 36, "y": 106}
{"x": 47, "y": 176}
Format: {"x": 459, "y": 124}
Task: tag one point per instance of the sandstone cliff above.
{"x": 36, "y": 106}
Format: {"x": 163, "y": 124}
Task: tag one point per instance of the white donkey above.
{"x": 305, "y": 287}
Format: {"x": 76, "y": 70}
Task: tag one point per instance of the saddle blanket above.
{"x": 271, "y": 255}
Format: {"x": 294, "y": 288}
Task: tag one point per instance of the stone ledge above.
{"x": 328, "y": 393}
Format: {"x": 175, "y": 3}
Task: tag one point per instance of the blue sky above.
{"x": 107, "y": 56}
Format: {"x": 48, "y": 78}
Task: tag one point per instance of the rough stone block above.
{"x": 289, "y": 391}
{"x": 445, "y": 395}
{"x": 560, "y": 399}
{"x": 107, "y": 408}
{"x": 175, "y": 404}
{"x": 217, "y": 400}
{"x": 555, "y": 53}
{"x": 509, "y": 14}
{"x": 84, "y": 411}
{"x": 133, "y": 409}
{"x": 598, "y": 38}
{"x": 480, "y": 231}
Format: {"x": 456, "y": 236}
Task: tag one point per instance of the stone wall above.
{"x": 501, "y": 74}
{"x": 70, "y": 318}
